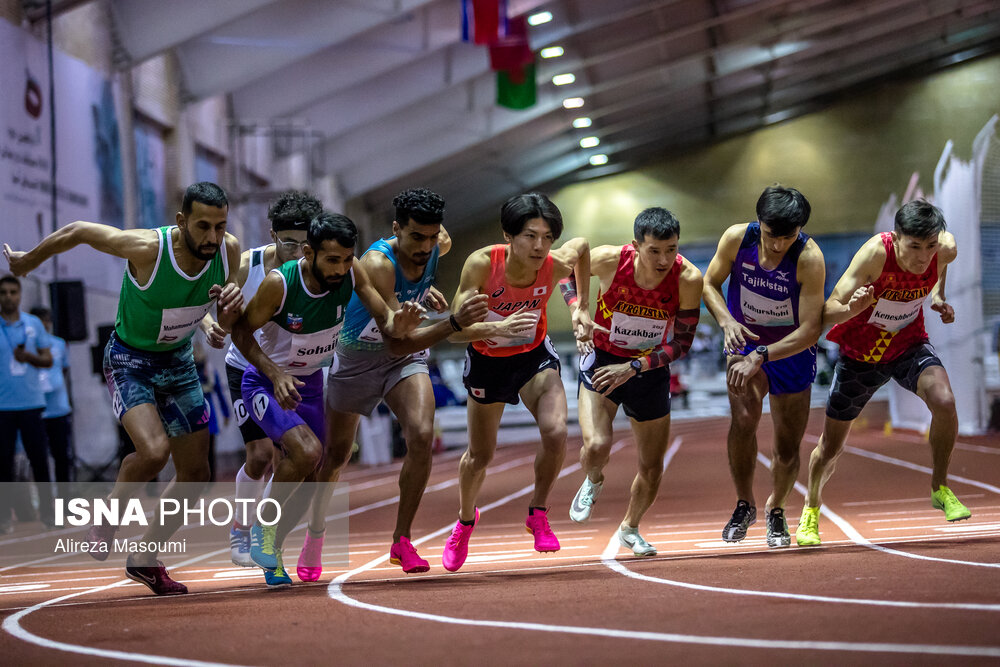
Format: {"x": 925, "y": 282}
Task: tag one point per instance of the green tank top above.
{"x": 163, "y": 314}
{"x": 302, "y": 334}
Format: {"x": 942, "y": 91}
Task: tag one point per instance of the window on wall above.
{"x": 208, "y": 167}
{"x": 150, "y": 166}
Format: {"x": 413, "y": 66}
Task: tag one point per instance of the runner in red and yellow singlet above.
{"x": 512, "y": 359}
{"x": 877, "y": 310}
{"x": 647, "y": 291}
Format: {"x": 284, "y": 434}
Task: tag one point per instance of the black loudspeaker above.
{"x": 69, "y": 313}
{"x": 104, "y": 332}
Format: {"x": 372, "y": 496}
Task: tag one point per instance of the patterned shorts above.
{"x": 854, "y": 382}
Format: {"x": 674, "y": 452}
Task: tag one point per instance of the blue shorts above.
{"x": 258, "y": 395}
{"x": 168, "y": 380}
{"x": 791, "y": 374}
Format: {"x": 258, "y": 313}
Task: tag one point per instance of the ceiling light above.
{"x": 563, "y": 79}
{"x": 589, "y": 142}
{"x": 573, "y": 102}
{"x": 539, "y": 18}
{"x": 599, "y": 159}
{"x": 581, "y": 122}
{"x": 552, "y": 51}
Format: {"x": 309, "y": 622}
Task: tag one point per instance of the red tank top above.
{"x": 894, "y": 323}
{"x": 639, "y": 319}
{"x": 505, "y": 300}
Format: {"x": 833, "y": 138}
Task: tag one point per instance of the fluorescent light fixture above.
{"x": 552, "y": 51}
{"x": 582, "y": 122}
{"x": 599, "y": 159}
{"x": 563, "y": 79}
{"x": 589, "y": 142}
{"x": 573, "y": 102}
{"x": 539, "y": 18}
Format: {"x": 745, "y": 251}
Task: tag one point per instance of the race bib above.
{"x": 312, "y": 351}
{"x": 764, "y": 312}
{"x": 371, "y": 333}
{"x": 177, "y": 323}
{"x": 636, "y": 333}
{"x": 894, "y": 315}
{"x": 523, "y": 338}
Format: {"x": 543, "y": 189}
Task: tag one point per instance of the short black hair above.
{"x": 10, "y": 278}
{"x": 657, "y": 222}
{"x": 419, "y": 204}
{"x": 517, "y": 210}
{"x": 293, "y": 210}
{"x": 205, "y": 193}
{"x": 783, "y": 209}
{"x": 41, "y": 312}
{"x": 329, "y": 226}
{"x": 920, "y": 219}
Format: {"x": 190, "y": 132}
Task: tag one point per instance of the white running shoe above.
{"x": 239, "y": 546}
{"x": 584, "y": 500}
{"x": 631, "y": 539}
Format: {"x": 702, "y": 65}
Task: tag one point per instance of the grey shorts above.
{"x": 364, "y": 378}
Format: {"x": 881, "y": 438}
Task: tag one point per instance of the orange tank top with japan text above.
{"x": 505, "y": 299}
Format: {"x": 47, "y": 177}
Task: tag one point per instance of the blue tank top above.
{"x": 360, "y": 331}
{"x": 766, "y": 302}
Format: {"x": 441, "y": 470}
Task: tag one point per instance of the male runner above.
{"x": 299, "y": 310}
{"x": 771, "y": 320}
{"x": 877, "y": 312}
{"x": 174, "y": 275}
{"x": 290, "y": 215}
{"x": 647, "y": 289}
{"x": 402, "y": 268}
{"x": 512, "y": 357}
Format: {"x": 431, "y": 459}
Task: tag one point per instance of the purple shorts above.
{"x": 258, "y": 396}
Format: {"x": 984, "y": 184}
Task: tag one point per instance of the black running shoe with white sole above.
{"x": 744, "y": 516}
{"x": 777, "y": 529}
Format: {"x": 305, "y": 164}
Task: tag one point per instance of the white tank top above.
{"x": 255, "y": 276}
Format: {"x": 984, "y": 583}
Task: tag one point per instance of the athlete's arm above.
{"x": 854, "y": 291}
{"x": 475, "y": 275}
{"x": 603, "y": 263}
{"x": 262, "y": 307}
{"x": 444, "y": 242}
{"x": 735, "y": 335}
{"x": 139, "y": 246}
{"x": 947, "y": 252}
{"x": 229, "y": 305}
{"x": 391, "y": 323}
{"x": 572, "y": 261}
{"x": 214, "y": 333}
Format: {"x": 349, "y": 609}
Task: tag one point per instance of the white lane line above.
{"x": 919, "y": 468}
{"x": 937, "y": 526}
{"x": 958, "y": 445}
{"x": 923, "y": 516}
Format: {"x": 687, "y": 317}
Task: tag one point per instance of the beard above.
{"x": 203, "y": 252}
{"x": 327, "y": 284}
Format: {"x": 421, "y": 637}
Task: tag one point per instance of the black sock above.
{"x": 531, "y": 510}
{"x": 467, "y": 523}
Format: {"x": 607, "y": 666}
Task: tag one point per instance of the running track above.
{"x": 893, "y": 582}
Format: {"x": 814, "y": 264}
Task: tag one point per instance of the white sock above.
{"x": 247, "y": 487}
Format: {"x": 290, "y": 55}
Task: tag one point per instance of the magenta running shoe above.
{"x": 310, "y": 564}
{"x": 456, "y": 549}
{"x": 405, "y": 554}
{"x": 99, "y": 540}
{"x": 538, "y": 525}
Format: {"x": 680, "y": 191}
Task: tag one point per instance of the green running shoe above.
{"x": 944, "y": 499}
{"x": 807, "y": 533}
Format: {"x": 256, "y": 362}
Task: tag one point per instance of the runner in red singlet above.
{"x": 877, "y": 310}
{"x": 647, "y": 291}
{"x": 512, "y": 358}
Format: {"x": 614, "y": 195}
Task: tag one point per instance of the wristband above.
{"x": 454, "y": 323}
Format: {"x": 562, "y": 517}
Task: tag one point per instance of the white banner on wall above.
{"x": 88, "y": 155}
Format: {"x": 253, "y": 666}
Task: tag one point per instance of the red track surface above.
{"x": 921, "y": 592}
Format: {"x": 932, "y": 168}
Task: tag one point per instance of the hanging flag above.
{"x": 485, "y": 20}
{"x": 512, "y": 51}
{"x": 466, "y": 19}
{"x": 516, "y": 89}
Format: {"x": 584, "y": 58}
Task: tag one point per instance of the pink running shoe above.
{"x": 456, "y": 549}
{"x": 538, "y": 525}
{"x": 405, "y": 554}
{"x": 310, "y": 564}
{"x": 99, "y": 541}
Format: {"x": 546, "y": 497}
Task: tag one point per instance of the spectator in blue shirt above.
{"x": 24, "y": 348}
{"x": 58, "y": 412}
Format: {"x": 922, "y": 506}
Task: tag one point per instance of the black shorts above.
{"x": 499, "y": 379}
{"x": 248, "y": 427}
{"x": 645, "y": 397}
{"x": 854, "y": 382}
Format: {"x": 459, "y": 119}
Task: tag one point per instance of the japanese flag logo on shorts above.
{"x": 477, "y": 393}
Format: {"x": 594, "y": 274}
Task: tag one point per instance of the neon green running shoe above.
{"x": 944, "y": 499}
{"x": 807, "y": 533}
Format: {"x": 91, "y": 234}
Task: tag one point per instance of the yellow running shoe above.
{"x": 807, "y": 533}
{"x": 944, "y": 499}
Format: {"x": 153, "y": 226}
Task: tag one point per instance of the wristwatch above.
{"x": 762, "y": 351}
{"x": 636, "y": 366}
